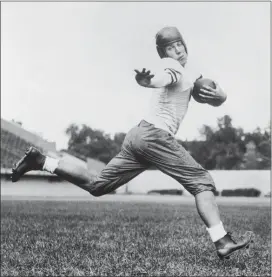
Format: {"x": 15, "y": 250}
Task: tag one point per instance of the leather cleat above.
{"x": 32, "y": 160}
{"x": 226, "y": 246}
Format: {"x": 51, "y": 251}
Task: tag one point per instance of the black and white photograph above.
{"x": 135, "y": 138}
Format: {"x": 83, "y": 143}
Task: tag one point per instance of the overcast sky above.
{"x": 73, "y": 62}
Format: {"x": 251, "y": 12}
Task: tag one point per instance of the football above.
{"x": 198, "y": 85}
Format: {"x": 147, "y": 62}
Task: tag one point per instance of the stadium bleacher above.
{"x": 15, "y": 140}
{"x": 12, "y": 148}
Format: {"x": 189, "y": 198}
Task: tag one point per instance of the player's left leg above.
{"x": 120, "y": 170}
{"x": 162, "y": 150}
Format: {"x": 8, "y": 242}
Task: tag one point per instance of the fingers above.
{"x": 207, "y": 92}
{"x": 207, "y": 88}
{"x": 144, "y": 73}
{"x": 140, "y": 72}
{"x": 206, "y": 97}
{"x": 215, "y": 89}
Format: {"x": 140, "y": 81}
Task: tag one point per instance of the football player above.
{"x": 152, "y": 143}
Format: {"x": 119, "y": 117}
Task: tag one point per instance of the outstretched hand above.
{"x": 143, "y": 77}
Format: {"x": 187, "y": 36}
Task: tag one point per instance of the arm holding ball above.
{"x": 213, "y": 96}
{"x": 208, "y": 91}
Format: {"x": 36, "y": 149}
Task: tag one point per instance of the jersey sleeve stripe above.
{"x": 176, "y": 73}
{"x": 173, "y": 74}
{"x": 172, "y": 80}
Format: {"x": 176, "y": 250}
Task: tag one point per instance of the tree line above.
{"x": 222, "y": 147}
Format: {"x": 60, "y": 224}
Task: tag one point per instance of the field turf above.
{"x": 85, "y": 238}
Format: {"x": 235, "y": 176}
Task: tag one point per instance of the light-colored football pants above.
{"x": 146, "y": 146}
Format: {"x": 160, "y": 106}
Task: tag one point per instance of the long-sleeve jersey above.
{"x": 169, "y": 104}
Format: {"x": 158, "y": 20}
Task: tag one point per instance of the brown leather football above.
{"x": 198, "y": 85}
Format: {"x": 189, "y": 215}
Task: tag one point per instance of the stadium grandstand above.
{"x": 15, "y": 140}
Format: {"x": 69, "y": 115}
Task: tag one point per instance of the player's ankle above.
{"x": 217, "y": 232}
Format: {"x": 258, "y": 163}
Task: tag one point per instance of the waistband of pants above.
{"x": 146, "y": 123}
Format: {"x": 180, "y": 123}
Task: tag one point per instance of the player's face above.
{"x": 176, "y": 50}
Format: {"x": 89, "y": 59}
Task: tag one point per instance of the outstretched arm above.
{"x": 162, "y": 79}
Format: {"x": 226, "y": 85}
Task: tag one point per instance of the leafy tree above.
{"x": 262, "y": 141}
{"x": 223, "y": 147}
{"x": 88, "y": 142}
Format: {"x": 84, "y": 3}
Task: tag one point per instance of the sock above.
{"x": 50, "y": 164}
{"x": 217, "y": 232}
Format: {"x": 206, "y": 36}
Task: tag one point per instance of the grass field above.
{"x": 83, "y": 238}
